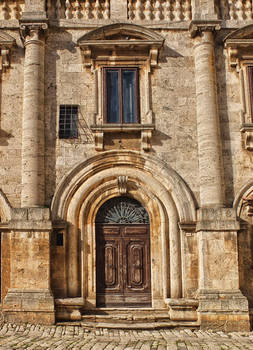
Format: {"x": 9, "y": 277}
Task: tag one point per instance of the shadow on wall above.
{"x": 221, "y": 74}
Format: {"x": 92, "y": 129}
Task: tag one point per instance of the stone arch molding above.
{"x": 112, "y": 164}
{"x": 156, "y": 186}
{"x": 241, "y": 203}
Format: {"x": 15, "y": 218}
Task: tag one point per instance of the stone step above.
{"x": 131, "y": 319}
{"x": 132, "y": 325}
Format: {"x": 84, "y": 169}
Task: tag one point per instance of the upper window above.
{"x": 68, "y": 122}
{"x": 121, "y": 100}
{"x": 250, "y": 78}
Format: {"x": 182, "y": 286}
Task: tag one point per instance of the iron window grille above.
{"x": 121, "y": 95}
{"x": 68, "y": 122}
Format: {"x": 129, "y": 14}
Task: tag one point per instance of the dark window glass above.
{"x": 121, "y": 95}
{"x": 129, "y": 100}
{"x": 68, "y": 122}
{"x": 113, "y": 113}
{"x": 59, "y": 239}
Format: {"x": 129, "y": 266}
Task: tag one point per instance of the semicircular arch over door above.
{"x": 123, "y": 254}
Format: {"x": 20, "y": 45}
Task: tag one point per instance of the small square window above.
{"x": 121, "y": 95}
{"x": 68, "y": 122}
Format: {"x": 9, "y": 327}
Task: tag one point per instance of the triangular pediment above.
{"x": 121, "y": 42}
{"x": 121, "y": 32}
{"x": 6, "y": 39}
{"x": 245, "y": 33}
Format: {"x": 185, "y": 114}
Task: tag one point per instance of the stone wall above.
{"x": 189, "y": 161}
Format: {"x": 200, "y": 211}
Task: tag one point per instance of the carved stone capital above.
{"x": 197, "y": 27}
{"x": 33, "y": 31}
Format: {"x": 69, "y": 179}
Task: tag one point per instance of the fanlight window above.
{"x": 122, "y": 210}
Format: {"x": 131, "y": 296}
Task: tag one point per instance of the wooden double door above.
{"x": 123, "y": 265}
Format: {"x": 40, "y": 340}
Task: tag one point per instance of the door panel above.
{"x": 123, "y": 265}
{"x": 112, "y": 278}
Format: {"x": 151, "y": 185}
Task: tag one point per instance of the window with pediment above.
{"x": 239, "y": 45}
{"x": 122, "y": 56}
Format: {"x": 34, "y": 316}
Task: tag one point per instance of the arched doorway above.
{"x": 123, "y": 254}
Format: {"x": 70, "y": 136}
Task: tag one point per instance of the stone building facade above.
{"x": 126, "y": 140}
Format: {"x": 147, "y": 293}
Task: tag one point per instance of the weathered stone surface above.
{"x": 188, "y": 162}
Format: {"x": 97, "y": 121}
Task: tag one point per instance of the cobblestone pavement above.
{"x": 73, "y": 337}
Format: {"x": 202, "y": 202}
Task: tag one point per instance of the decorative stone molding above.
{"x": 199, "y": 26}
{"x": 117, "y": 37}
{"x": 109, "y": 46}
{"x": 122, "y": 184}
{"x": 147, "y": 10}
{"x": 79, "y": 9}
{"x": 248, "y": 201}
{"x": 239, "y": 47}
{"x": 6, "y": 43}
{"x": 32, "y": 31}
{"x": 247, "y": 135}
{"x": 144, "y": 129}
{"x": 241, "y": 203}
{"x": 11, "y": 9}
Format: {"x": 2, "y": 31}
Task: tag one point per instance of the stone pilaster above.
{"x": 34, "y": 10}
{"x": 221, "y": 304}
{"x": 29, "y": 298}
{"x": 118, "y": 10}
{"x": 33, "y": 116}
{"x": 204, "y": 9}
{"x": 209, "y": 144}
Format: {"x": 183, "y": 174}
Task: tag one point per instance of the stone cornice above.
{"x": 198, "y": 26}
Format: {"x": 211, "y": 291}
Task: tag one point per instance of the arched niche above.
{"x": 158, "y": 188}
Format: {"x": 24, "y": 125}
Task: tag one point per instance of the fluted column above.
{"x": 32, "y": 194}
{"x": 209, "y": 143}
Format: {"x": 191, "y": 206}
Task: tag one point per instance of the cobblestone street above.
{"x": 73, "y": 337}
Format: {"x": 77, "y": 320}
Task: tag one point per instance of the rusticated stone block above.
{"x": 35, "y": 306}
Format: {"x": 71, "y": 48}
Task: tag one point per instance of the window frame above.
{"x": 121, "y": 69}
{"x": 72, "y": 133}
{"x": 250, "y": 89}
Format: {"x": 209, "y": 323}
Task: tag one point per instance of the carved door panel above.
{"x": 123, "y": 265}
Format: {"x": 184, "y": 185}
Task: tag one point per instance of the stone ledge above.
{"x": 217, "y": 219}
{"x": 29, "y": 219}
{"x": 35, "y": 306}
{"x": 182, "y": 309}
{"x": 69, "y": 309}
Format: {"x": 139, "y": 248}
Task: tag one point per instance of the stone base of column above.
{"x": 224, "y": 311}
{"x": 182, "y": 309}
{"x": 32, "y": 306}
